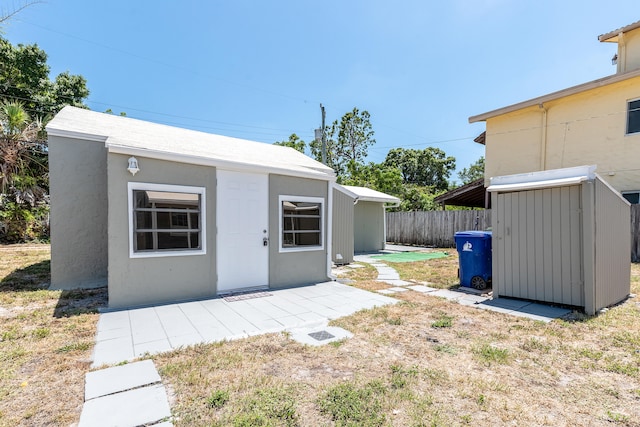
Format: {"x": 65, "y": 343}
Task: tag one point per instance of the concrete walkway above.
{"x": 462, "y": 295}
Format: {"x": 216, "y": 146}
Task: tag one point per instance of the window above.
{"x": 633, "y": 116}
{"x": 166, "y": 220}
{"x": 301, "y": 225}
{"x": 632, "y": 197}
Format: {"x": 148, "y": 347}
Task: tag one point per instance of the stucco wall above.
{"x": 140, "y": 281}
{"x": 368, "y": 220}
{"x": 583, "y": 129}
{"x": 629, "y": 52}
{"x": 295, "y": 268}
{"x": 78, "y": 186}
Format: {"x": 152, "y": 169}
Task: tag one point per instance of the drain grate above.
{"x": 321, "y": 335}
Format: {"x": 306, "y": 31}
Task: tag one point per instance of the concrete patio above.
{"x": 127, "y": 334}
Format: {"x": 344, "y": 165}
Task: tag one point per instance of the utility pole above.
{"x": 324, "y": 138}
{"x": 320, "y": 136}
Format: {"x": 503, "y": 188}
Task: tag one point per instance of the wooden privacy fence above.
{"x": 436, "y": 228}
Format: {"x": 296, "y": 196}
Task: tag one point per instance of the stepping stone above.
{"x": 142, "y": 406}
{"x": 396, "y": 282}
{"x": 422, "y": 288}
{"x": 398, "y": 289}
{"x": 120, "y": 378}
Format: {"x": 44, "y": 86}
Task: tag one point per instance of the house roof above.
{"x": 556, "y": 95}
{"x": 123, "y": 135}
{"x": 367, "y": 195}
{"x": 612, "y": 36}
{"x": 471, "y": 195}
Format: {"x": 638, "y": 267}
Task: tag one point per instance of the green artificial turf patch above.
{"x": 410, "y": 256}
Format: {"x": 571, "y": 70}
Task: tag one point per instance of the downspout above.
{"x": 543, "y": 138}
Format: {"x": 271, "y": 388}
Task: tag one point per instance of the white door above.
{"x": 243, "y": 239}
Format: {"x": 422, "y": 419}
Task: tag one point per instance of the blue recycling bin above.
{"x": 474, "y": 253}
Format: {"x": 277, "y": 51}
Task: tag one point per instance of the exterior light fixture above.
{"x": 614, "y": 60}
{"x": 133, "y": 166}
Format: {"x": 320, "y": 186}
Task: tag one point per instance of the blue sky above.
{"x": 260, "y": 69}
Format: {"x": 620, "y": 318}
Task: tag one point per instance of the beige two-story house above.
{"x": 595, "y": 123}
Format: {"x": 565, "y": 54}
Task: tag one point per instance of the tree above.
{"x": 473, "y": 173}
{"x": 294, "y": 142}
{"x": 430, "y": 167}
{"x": 23, "y": 175}
{"x": 347, "y": 141}
{"x": 24, "y": 76}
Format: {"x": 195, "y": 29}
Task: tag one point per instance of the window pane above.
{"x": 144, "y": 241}
{"x": 195, "y": 240}
{"x": 308, "y": 239}
{"x": 173, "y": 240}
{"x": 633, "y": 198}
{"x": 140, "y": 199}
{"x": 633, "y": 117}
{"x": 163, "y": 221}
{"x": 143, "y": 220}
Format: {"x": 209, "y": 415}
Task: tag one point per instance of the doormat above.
{"x": 410, "y": 256}
{"x": 241, "y": 296}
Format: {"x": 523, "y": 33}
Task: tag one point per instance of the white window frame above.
{"x": 132, "y": 186}
{"x": 627, "y": 117}
{"x": 305, "y": 199}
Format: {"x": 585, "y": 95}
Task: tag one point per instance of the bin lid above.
{"x": 473, "y": 233}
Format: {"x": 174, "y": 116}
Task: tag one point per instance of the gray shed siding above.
{"x": 342, "y": 233}
{"x": 295, "y": 268}
{"x": 368, "y": 227}
{"x": 79, "y": 240}
{"x": 566, "y": 244}
{"x": 613, "y": 239}
{"x": 142, "y": 281}
{"x": 537, "y": 245}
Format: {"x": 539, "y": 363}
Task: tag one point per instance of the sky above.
{"x": 259, "y": 70}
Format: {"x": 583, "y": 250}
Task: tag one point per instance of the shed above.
{"x": 560, "y": 236}
{"x": 365, "y": 210}
{"x": 162, "y": 214}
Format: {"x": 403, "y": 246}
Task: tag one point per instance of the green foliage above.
{"x": 474, "y": 172}
{"x": 443, "y": 321}
{"x": 430, "y": 167}
{"x": 347, "y": 141}
{"x": 268, "y": 407}
{"x": 217, "y": 399}
{"x": 24, "y": 76}
{"x": 23, "y": 176}
{"x": 489, "y": 354}
{"x": 294, "y": 142}
{"x": 350, "y": 405}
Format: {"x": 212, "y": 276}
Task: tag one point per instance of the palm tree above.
{"x": 23, "y": 172}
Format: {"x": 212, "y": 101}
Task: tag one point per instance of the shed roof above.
{"x": 368, "y": 195}
{"x": 471, "y": 195}
{"x": 128, "y": 136}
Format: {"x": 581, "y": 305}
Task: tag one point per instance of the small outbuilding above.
{"x": 560, "y": 236}
{"x": 161, "y": 214}
{"x": 360, "y": 221}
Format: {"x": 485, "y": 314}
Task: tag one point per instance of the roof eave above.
{"x": 219, "y": 163}
{"x": 556, "y": 95}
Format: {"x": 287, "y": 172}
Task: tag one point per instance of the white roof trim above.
{"x": 368, "y": 195}
{"x": 218, "y": 163}
{"x": 52, "y": 131}
{"x": 542, "y": 179}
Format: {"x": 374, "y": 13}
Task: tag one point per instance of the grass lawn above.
{"x": 423, "y": 362}
{"x": 46, "y": 338}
